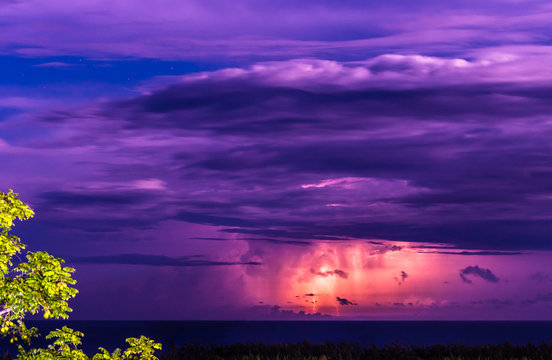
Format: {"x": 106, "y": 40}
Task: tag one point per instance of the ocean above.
{"x": 111, "y": 334}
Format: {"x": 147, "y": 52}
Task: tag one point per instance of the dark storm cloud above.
{"x": 246, "y": 97}
{"x": 383, "y": 248}
{"x": 199, "y": 218}
{"x": 403, "y": 148}
{"x": 103, "y": 210}
{"x": 155, "y": 260}
{"x": 373, "y": 145}
{"x": 476, "y": 234}
{"x": 281, "y": 242}
{"x": 473, "y": 253}
{"x": 476, "y": 271}
{"x": 284, "y": 234}
{"x": 78, "y": 199}
{"x": 344, "y": 302}
{"x": 103, "y": 225}
{"x": 268, "y": 240}
{"x": 472, "y": 176}
{"x": 203, "y": 30}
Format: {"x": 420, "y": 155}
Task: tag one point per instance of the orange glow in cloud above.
{"x": 360, "y": 272}
{"x": 356, "y": 272}
{"x": 368, "y": 279}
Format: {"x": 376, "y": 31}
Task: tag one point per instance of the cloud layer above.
{"x": 155, "y": 260}
{"x": 403, "y": 148}
{"x": 265, "y": 29}
{"x": 331, "y": 149}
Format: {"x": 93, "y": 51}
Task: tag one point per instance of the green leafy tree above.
{"x": 41, "y": 284}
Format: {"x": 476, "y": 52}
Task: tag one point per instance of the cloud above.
{"x": 200, "y": 218}
{"x": 342, "y": 274}
{"x": 402, "y": 277}
{"x": 494, "y": 302}
{"x": 344, "y": 302}
{"x": 473, "y": 253}
{"x": 84, "y": 199}
{"x": 337, "y": 272}
{"x": 413, "y": 148}
{"x": 202, "y": 29}
{"x": 383, "y": 248}
{"x": 349, "y": 123}
{"x": 539, "y": 298}
{"x": 268, "y": 240}
{"x": 387, "y": 71}
{"x": 476, "y": 271}
{"x": 155, "y": 260}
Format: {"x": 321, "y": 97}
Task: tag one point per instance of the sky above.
{"x": 284, "y": 160}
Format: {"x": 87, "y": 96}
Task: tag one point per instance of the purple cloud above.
{"x": 476, "y": 271}
{"x": 310, "y": 149}
{"x": 202, "y": 29}
{"x": 155, "y": 260}
{"x": 387, "y": 125}
{"x": 473, "y": 253}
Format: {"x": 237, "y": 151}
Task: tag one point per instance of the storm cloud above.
{"x": 202, "y": 30}
{"x": 397, "y": 147}
{"x": 155, "y": 260}
{"x": 244, "y": 159}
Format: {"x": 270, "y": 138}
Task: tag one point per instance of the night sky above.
{"x": 250, "y": 160}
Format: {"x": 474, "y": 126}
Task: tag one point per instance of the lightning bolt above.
{"x": 332, "y": 294}
{"x": 314, "y": 302}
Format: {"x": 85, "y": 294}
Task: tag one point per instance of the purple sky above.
{"x": 269, "y": 160}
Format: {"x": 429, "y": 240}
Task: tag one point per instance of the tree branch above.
{"x": 5, "y": 311}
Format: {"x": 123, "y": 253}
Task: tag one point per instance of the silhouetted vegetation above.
{"x": 352, "y": 351}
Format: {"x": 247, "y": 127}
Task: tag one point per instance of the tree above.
{"x": 41, "y": 284}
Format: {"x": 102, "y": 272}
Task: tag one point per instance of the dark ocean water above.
{"x": 111, "y": 334}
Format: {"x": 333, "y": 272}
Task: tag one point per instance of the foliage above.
{"x": 65, "y": 346}
{"x": 42, "y": 285}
